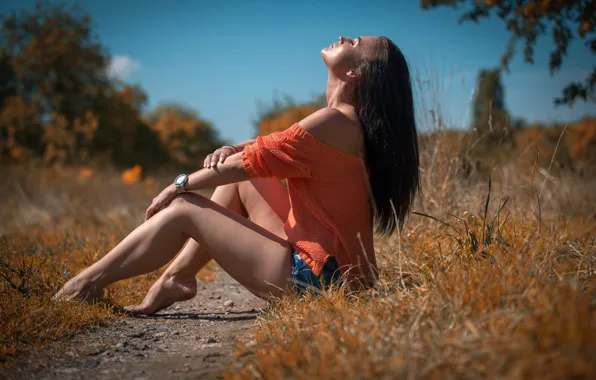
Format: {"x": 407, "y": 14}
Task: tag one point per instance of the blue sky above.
{"x": 221, "y": 57}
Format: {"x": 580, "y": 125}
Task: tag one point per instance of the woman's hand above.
{"x": 219, "y": 156}
{"x": 162, "y": 200}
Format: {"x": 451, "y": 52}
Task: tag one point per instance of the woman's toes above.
{"x": 65, "y": 293}
{"x": 76, "y": 289}
{"x": 143, "y": 309}
{"x": 134, "y": 310}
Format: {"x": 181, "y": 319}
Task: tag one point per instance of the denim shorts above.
{"x": 303, "y": 276}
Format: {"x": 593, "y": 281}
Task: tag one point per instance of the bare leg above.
{"x": 127, "y": 259}
{"x": 256, "y": 257}
{"x": 265, "y": 202}
{"x": 178, "y": 282}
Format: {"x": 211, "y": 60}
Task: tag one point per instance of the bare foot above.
{"x": 79, "y": 289}
{"x": 165, "y": 292}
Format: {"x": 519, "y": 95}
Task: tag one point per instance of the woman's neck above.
{"x": 336, "y": 92}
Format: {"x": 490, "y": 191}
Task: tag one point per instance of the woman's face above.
{"x": 346, "y": 54}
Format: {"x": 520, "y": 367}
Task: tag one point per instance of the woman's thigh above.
{"x": 256, "y": 257}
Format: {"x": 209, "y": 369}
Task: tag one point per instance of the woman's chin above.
{"x": 324, "y": 55}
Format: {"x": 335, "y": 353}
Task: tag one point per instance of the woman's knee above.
{"x": 227, "y": 192}
{"x": 228, "y": 196}
{"x": 184, "y": 200}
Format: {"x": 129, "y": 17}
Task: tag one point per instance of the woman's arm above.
{"x": 240, "y": 146}
{"x": 224, "y": 173}
{"x": 220, "y": 155}
{"x": 232, "y": 170}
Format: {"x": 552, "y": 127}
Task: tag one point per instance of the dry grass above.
{"x": 500, "y": 288}
{"x": 528, "y": 312}
{"x": 53, "y": 224}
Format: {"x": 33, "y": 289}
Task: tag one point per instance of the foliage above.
{"x": 47, "y": 86}
{"x": 187, "y": 137}
{"x": 472, "y": 155}
{"x": 488, "y": 110}
{"x": 59, "y": 102}
{"x": 283, "y": 113}
{"x": 527, "y": 20}
{"x": 576, "y": 151}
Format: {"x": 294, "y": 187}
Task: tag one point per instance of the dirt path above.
{"x": 190, "y": 340}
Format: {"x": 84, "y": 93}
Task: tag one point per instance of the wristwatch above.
{"x": 180, "y": 183}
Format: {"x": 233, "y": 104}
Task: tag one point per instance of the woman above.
{"x": 349, "y": 167}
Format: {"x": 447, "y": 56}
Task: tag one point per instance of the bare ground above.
{"x": 189, "y": 340}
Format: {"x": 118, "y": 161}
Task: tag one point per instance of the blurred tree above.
{"x": 128, "y": 139}
{"x": 283, "y": 113}
{"x": 559, "y": 146}
{"x": 57, "y": 99}
{"x": 59, "y": 67}
{"x": 20, "y": 135}
{"x": 489, "y": 114}
{"x": 527, "y": 20}
{"x": 8, "y": 80}
{"x": 18, "y": 129}
{"x": 187, "y": 138}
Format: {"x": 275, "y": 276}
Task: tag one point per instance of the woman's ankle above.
{"x": 181, "y": 276}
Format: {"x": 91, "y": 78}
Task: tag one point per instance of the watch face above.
{"x": 180, "y": 179}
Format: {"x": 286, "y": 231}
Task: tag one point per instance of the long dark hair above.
{"x": 384, "y": 103}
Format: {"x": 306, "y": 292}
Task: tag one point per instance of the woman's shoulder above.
{"x": 336, "y": 129}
